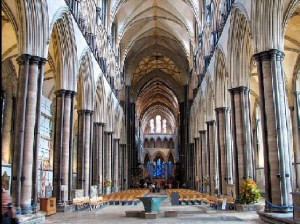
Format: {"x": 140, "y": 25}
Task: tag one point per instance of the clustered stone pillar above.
{"x": 221, "y": 113}
{"x": 63, "y": 135}
{"x": 212, "y": 155}
{"x": 275, "y": 118}
{"x": 296, "y": 132}
{"x": 83, "y": 151}
{"x": 204, "y": 158}
{"x": 97, "y": 156}
{"x": 121, "y": 168}
{"x": 242, "y": 144}
{"x": 125, "y": 165}
{"x": 7, "y": 120}
{"x": 108, "y": 154}
{"x": 116, "y": 164}
{"x": 30, "y": 72}
{"x": 197, "y": 161}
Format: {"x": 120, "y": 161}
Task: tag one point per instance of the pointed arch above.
{"x": 221, "y": 77}
{"x": 86, "y": 88}
{"x": 239, "y": 49}
{"x": 65, "y": 51}
{"x": 33, "y": 30}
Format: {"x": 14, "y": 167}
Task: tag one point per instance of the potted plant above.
{"x": 107, "y": 186}
{"x": 206, "y": 182}
{"x": 249, "y": 196}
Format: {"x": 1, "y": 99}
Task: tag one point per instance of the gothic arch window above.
{"x": 164, "y": 126}
{"x": 152, "y": 127}
{"x": 158, "y": 124}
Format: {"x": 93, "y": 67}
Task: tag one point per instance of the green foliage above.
{"x": 249, "y": 192}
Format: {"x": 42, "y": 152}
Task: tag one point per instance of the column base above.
{"x": 269, "y": 209}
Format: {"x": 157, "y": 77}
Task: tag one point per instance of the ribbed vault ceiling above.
{"x": 156, "y": 39}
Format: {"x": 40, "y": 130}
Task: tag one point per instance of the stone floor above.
{"x": 186, "y": 214}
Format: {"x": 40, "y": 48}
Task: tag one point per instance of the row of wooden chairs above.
{"x": 81, "y": 202}
{"x": 127, "y": 197}
{"x": 192, "y": 197}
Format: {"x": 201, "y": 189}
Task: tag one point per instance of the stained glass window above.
{"x": 148, "y": 168}
{"x": 170, "y": 166}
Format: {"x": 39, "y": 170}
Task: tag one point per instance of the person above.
{"x": 145, "y": 185}
{"x": 8, "y": 210}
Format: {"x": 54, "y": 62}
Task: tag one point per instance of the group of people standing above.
{"x": 155, "y": 187}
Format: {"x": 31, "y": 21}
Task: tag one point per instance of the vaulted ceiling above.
{"x": 156, "y": 40}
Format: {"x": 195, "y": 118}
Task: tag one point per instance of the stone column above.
{"x": 87, "y": 147}
{"x": 108, "y": 154}
{"x": 80, "y": 149}
{"x": 228, "y": 147}
{"x": 7, "y": 125}
{"x": 198, "y": 163}
{"x": 101, "y": 159}
{"x": 204, "y": 158}
{"x": 71, "y": 146}
{"x": 116, "y": 164}
{"x": 22, "y": 93}
{"x": 275, "y": 118}
{"x": 221, "y": 139}
{"x": 91, "y": 136}
{"x": 30, "y": 118}
{"x": 63, "y": 140}
{"x": 37, "y": 132}
{"x": 65, "y": 162}
{"x": 241, "y": 131}
{"x": 125, "y": 167}
{"x": 121, "y": 166}
{"x": 58, "y": 137}
{"x": 212, "y": 155}
{"x": 296, "y": 137}
{"x": 95, "y": 155}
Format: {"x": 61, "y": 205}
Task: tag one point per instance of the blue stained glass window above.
{"x": 163, "y": 168}
{"x": 170, "y": 168}
{"x": 148, "y": 168}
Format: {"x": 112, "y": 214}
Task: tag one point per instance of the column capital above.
{"x": 43, "y": 60}
{"x": 70, "y": 93}
{"x": 222, "y": 109}
{"x": 60, "y": 92}
{"x": 239, "y": 89}
{"x": 108, "y": 132}
{"x": 82, "y": 111}
{"x": 23, "y": 58}
{"x": 34, "y": 60}
{"x": 202, "y": 131}
{"x": 267, "y": 55}
{"x": 210, "y": 122}
{"x": 99, "y": 123}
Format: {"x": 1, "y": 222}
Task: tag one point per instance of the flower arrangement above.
{"x": 249, "y": 192}
{"x": 107, "y": 183}
{"x": 206, "y": 181}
